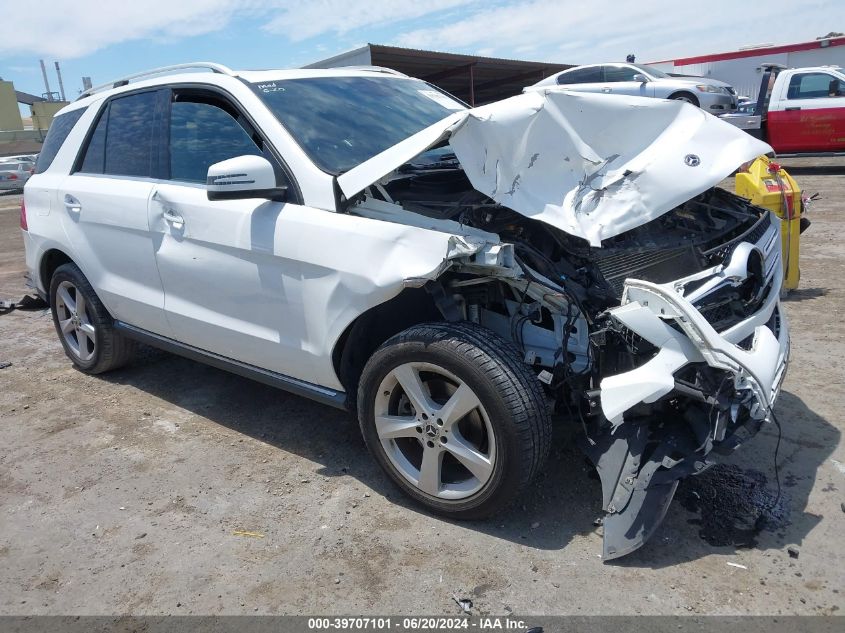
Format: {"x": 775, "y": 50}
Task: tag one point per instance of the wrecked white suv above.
{"x": 455, "y": 276}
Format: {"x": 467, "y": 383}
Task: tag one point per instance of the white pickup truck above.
{"x": 798, "y": 110}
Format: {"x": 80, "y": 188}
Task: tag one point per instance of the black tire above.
{"x": 507, "y": 389}
{"x": 111, "y": 350}
{"x": 686, "y": 96}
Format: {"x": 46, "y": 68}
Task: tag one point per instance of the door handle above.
{"x": 606, "y": 89}
{"x": 792, "y": 108}
{"x": 173, "y": 218}
{"x": 72, "y": 204}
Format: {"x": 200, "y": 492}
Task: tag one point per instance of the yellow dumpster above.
{"x": 767, "y": 185}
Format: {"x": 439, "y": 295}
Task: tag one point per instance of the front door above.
{"x": 810, "y": 117}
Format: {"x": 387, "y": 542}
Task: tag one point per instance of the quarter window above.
{"x": 202, "y": 134}
{"x": 56, "y": 136}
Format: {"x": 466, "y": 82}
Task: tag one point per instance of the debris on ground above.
{"x": 245, "y": 533}
{"x": 4, "y": 364}
{"x": 733, "y": 505}
{"x": 737, "y": 565}
{"x": 792, "y": 551}
{"x": 464, "y": 603}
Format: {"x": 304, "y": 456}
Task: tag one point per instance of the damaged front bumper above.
{"x": 703, "y": 390}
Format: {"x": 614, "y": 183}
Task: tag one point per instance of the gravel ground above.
{"x": 169, "y": 487}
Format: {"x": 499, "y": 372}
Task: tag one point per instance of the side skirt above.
{"x": 309, "y": 390}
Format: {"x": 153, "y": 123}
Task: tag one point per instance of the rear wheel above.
{"x": 454, "y": 417}
{"x": 85, "y": 328}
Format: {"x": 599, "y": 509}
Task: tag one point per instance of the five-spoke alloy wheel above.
{"x": 454, "y": 417}
{"x": 85, "y": 327}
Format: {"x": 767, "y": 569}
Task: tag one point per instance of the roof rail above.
{"x": 215, "y": 68}
{"x": 375, "y": 69}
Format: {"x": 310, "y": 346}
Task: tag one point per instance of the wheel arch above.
{"x": 50, "y": 261}
{"x": 684, "y": 93}
{"x": 368, "y": 331}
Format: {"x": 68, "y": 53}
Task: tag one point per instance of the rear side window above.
{"x": 581, "y": 76}
{"x": 202, "y": 134}
{"x": 122, "y": 142}
{"x": 56, "y": 136}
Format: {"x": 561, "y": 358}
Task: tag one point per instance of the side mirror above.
{"x": 243, "y": 177}
{"x": 835, "y": 89}
{"x": 640, "y": 78}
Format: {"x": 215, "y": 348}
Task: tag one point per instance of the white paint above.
{"x": 592, "y": 165}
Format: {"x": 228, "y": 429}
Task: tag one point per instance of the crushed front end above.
{"x": 685, "y": 367}
{"x": 646, "y": 299}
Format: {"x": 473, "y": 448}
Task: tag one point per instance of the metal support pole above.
{"x": 46, "y": 83}
{"x": 472, "y": 86}
{"x": 61, "y": 85}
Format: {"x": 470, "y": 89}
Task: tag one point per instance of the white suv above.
{"x": 454, "y": 276}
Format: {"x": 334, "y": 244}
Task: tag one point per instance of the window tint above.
{"x": 809, "y": 86}
{"x": 56, "y": 136}
{"x": 202, "y": 134}
{"x": 129, "y": 135}
{"x": 581, "y": 76}
{"x": 342, "y": 121}
{"x": 620, "y": 73}
{"x": 95, "y": 155}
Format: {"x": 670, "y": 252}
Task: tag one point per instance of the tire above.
{"x": 89, "y": 338}
{"x": 687, "y": 97}
{"x": 500, "y": 426}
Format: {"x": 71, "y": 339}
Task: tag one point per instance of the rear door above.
{"x": 806, "y": 115}
{"x": 103, "y": 206}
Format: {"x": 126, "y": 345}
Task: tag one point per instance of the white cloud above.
{"x": 72, "y": 29}
{"x": 66, "y": 29}
{"x": 555, "y": 30}
{"x": 600, "y": 30}
{"x": 304, "y": 20}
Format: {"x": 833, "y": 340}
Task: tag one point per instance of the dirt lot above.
{"x": 125, "y": 493}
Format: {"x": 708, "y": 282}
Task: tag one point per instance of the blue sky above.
{"x": 105, "y": 39}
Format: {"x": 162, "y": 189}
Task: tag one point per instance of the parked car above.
{"x": 451, "y": 275}
{"x": 13, "y": 175}
{"x": 711, "y": 95}
{"x": 28, "y": 158}
{"x": 799, "y": 111}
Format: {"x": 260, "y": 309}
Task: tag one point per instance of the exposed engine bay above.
{"x": 632, "y": 365}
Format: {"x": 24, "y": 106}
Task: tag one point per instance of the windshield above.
{"x": 651, "y": 70}
{"x": 341, "y": 122}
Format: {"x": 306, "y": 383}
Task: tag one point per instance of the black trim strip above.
{"x": 309, "y": 390}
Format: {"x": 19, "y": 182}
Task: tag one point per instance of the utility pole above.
{"x": 61, "y": 85}
{"x": 46, "y": 83}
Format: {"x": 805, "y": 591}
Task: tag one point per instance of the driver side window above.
{"x": 204, "y": 132}
{"x": 619, "y": 73}
{"x": 811, "y": 86}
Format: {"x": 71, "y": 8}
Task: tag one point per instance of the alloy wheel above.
{"x": 74, "y": 321}
{"x": 435, "y": 431}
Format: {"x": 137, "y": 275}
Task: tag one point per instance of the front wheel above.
{"x": 454, "y": 417}
{"x": 686, "y": 97}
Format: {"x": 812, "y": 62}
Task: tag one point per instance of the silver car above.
{"x": 15, "y": 175}
{"x": 711, "y": 95}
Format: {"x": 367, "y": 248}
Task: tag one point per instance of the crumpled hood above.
{"x": 591, "y": 165}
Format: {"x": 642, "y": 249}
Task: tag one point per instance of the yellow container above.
{"x": 767, "y": 185}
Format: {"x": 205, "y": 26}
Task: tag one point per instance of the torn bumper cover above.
{"x": 703, "y": 390}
